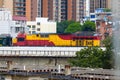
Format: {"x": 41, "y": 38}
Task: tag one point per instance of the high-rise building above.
{"x": 1, "y": 3}
{"x": 31, "y": 9}
{"x": 23, "y": 8}
{"x": 75, "y": 9}
{"x": 28, "y": 8}
{"x": 94, "y": 4}
{"x": 109, "y": 4}
{"x": 19, "y": 8}
{"x": 60, "y": 10}
{"x": 7, "y": 4}
{"x": 56, "y": 10}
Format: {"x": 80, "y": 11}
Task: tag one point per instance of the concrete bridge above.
{"x": 34, "y": 57}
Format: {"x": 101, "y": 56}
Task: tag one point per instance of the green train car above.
{"x": 5, "y": 40}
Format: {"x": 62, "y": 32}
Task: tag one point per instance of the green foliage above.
{"x": 61, "y": 26}
{"x": 88, "y": 26}
{"x": 72, "y": 28}
{"x": 107, "y": 10}
{"x": 108, "y": 57}
{"x": 95, "y": 57}
{"x": 88, "y": 57}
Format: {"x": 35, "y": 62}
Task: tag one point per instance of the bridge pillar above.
{"x": 67, "y": 70}
{"x": 9, "y": 65}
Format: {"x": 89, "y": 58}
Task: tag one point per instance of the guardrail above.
{"x": 40, "y": 51}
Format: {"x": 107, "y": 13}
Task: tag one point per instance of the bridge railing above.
{"x": 40, "y": 51}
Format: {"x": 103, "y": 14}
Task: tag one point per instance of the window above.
{"x": 33, "y": 26}
{"x": 38, "y": 29}
{"x": 44, "y": 35}
{"x": 38, "y": 23}
{"x": 29, "y": 32}
{"x": 29, "y": 26}
{"x": 33, "y": 32}
{"x": 17, "y": 29}
{"x": 20, "y": 39}
{"x": 4, "y": 41}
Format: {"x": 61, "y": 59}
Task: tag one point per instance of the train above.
{"x": 5, "y": 40}
{"x": 65, "y": 40}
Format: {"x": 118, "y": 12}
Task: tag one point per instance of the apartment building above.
{"x": 19, "y": 8}
{"x": 56, "y": 10}
{"x": 60, "y": 10}
{"x": 23, "y": 8}
{"x": 7, "y": 4}
{"x": 94, "y": 4}
{"x": 1, "y": 3}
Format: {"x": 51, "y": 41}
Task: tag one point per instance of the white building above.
{"x": 10, "y": 25}
{"x": 41, "y": 25}
{"x": 5, "y": 21}
{"x": 19, "y": 25}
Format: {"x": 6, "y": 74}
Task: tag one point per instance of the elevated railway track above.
{"x": 39, "y": 51}
{"x": 34, "y": 57}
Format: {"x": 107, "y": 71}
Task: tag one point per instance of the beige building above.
{"x": 7, "y": 4}
{"x": 1, "y": 3}
{"x": 41, "y": 25}
{"x": 23, "y": 8}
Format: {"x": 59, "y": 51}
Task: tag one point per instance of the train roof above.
{"x": 83, "y": 33}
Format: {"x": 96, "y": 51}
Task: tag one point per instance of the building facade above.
{"x": 23, "y": 8}
{"x": 104, "y": 24}
{"x": 11, "y": 24}
{"x": 7, "y": 4}
{"x": 41, "y": 25}
{"x": 94, "y": 4}
{"x": 56, "y": 10}
{"x": 5, "y": 21}
{"x": 60, "y": 10}
{"x": 19, "y": 7}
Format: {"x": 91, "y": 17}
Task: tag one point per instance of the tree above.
{"x": 88, "y": 26}
{"x": 88, "y": 57}
{"x": 95, "y": 57}
{"x": 108, "y": 56}
{"x": 72, "y": 28}
{"x": 61, "y": 26}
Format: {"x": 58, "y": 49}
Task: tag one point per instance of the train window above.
{"x": 4, "y": 41}
{"x": 44, "y": 35}
{"x": 33, "y": 32}
{"x": 21, "y": 39}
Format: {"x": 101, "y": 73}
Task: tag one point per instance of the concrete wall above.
{"x": 33, "y": 63}
{"x": 14, "y": 77}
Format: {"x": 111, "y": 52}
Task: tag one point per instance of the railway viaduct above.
{"x": 34, "y": 57}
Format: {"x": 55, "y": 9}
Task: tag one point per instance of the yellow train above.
{"x": 56, "y": 40}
